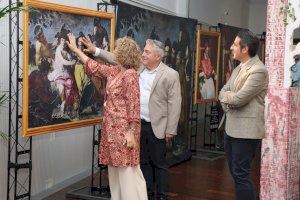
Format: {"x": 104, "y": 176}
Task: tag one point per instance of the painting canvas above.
{"x": 57, "y": 93}
{"x": 207, "y": 66}
{"x": 178, "y": 35}
{"x": 227, "y": 64}
{"x": 261, "y": 49}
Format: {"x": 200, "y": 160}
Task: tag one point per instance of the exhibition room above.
{"x": 150, "y": 99}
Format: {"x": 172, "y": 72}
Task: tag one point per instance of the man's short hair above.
{"x": 159, "y": 46}
{"x": 248, "y": 39}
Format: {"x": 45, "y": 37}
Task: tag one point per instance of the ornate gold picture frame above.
{"x": 207, "y": 66}
{"x": 57, "y": 94}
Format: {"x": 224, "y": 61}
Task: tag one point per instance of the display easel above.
{"x": 210, "y": 142}
{"x": 213, "y": 117}
{"x": 19, "y": 165}
{"x": 194, "y": 113}
{"x": 207, "y": 116}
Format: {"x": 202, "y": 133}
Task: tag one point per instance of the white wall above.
{"x": 182, "y": 8}
{"x": 257, "y": 16}
{"x": 172, "y": 7}
{"x": 59, "y": 157}
{"x": 168, "y": 5}
{"x": 230, "y": 12}
{"x": 249, "y": 14}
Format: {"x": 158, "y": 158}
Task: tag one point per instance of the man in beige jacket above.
{"x": 160, "y": 99}
{"x": 243, "y": 100}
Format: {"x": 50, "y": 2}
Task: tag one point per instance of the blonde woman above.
{"x": 120, "y": 139}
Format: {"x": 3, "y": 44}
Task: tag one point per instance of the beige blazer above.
{"x": 165, "y": 98}
{"x": 245, "y": 91}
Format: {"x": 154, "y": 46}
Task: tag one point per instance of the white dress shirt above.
{"x": 146, "y": 80}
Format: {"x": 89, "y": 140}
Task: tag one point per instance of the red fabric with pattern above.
{"x": 121, "y": 107}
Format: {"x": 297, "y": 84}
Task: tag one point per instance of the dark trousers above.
{"x": 240, "y": 153}
{"x": 153, "y": 162}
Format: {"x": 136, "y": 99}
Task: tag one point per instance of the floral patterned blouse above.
{"x": 122, "y": 106}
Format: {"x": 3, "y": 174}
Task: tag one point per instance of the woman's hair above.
{"x": 128, "y": 53}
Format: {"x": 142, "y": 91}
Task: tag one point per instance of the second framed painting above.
{"x": 57, "y": 93}
{"x": 207, "y": 66}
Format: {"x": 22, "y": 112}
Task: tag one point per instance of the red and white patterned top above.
{"x": 121, "y": 107}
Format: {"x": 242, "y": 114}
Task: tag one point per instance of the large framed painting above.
{"x": 207, "y": 66}
{"x": 57, "y": 94}
{"x": 227, "y": 63}
{"x": 178, "y": 36}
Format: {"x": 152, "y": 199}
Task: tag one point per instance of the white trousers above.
{"x": 127, "y": 183}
